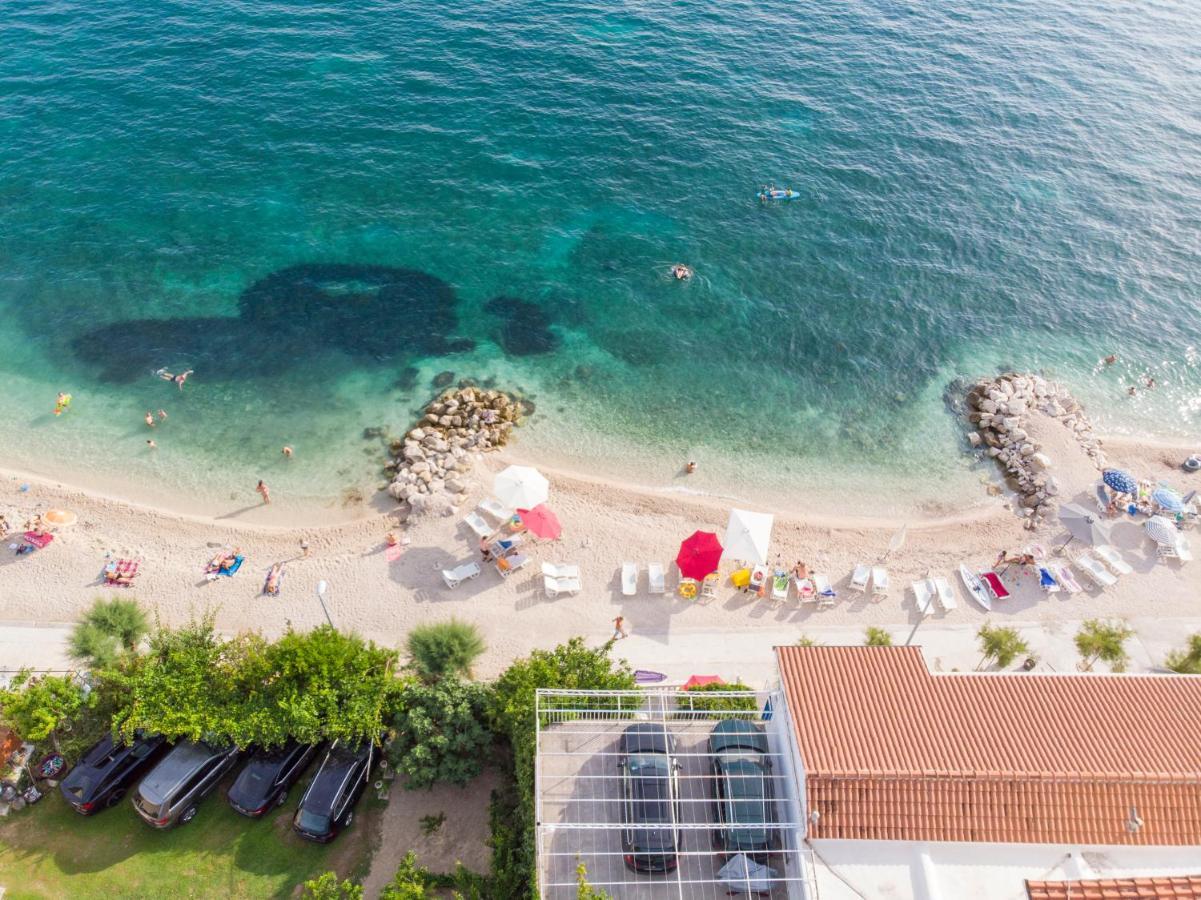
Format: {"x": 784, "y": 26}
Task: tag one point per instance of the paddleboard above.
{"x": 779, "y": 195}
{"x": 975, "y": 587}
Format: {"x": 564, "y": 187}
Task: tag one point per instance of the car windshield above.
{"x": 313, "y": 823}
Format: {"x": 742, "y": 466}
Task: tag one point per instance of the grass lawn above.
{"x": 49, "y": 851}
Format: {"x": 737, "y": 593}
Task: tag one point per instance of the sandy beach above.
{"x": 604, "y": 524}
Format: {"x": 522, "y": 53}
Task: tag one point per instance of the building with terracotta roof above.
{"x": 1013, "y": 776}
{"x": 1185, "y": 887}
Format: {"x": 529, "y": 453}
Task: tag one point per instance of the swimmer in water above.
{"x": 149, "y": 418}
{"x": 181, "y": 378}
{"x": 287, "y": 451}
{"x": 681, "y": 272}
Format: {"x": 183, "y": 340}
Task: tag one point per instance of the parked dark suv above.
{"x": 328, "y": 804}
{"x": 650, "y": 798}
{"x": 742, "y": 788}
{"x": 264, "y": 781}
{"x": 100, "y": 779}
{"x": 169, "y": 794}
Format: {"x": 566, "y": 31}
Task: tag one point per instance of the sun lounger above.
{"x": 944, "y": 594}
{"x": 507, "y": 565}
{"x": 758, "y": 580}
{"x": 456, "y": 576}
{"x": 629, "y": 579}
{"x": 686, "y": 589}
{"x": 1180, "y": 550}
{"x": 655, "y": 581}
{"x": 879, "y": 582}
{"x": 860, "y": 577}
{"x": 825, "y": 593}
{"x": 923, "y": 594}
{"x": 1047, "y": 581}
{"x": 1096, "y": 573}
{"x": 1063, "y": 574}
{"x": 779, "y": 586}
{"x": 709, "y": 586}
{"x": 566, "y": 571}
{"x": 495, "y": 509}
{"x": 476, "y": 523}
{"x": 805, "y": 591}
{"x": 995, "y": 585}
{"x": 1112, "y": 558}
{"x": 556, "y": 586}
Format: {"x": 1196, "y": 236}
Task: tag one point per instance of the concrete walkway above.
{"x": 34, "y": 645}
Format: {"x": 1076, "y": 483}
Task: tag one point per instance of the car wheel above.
{"x": 114, "y": 798}
{"x": 282, "y": 798}
{"x": 188, "y": 815}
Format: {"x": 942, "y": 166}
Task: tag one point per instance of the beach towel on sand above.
{"x": 230, "y": 571}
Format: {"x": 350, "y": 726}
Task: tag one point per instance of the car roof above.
{"x": 175, "y": 768}
{"x": 647, "y": 737}
{"x": 327, "y": 785}
{"x": 737, "y": 734}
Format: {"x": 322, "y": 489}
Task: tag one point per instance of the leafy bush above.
{"x": 36, "y": 707}
{"x": 1187, "y": 661}
{"x": 568, "y": 666}
{"x": 702, "y": 703}
{"x": 1098, "y": 639}
{"x": 440, "y": 731}
{"x": 107, "y": 629}
{"x": 327, "y": 887}
{"x": 876, "y": 637}
{"x": 445, "y": 649}
{"x": 1003, "y": 645}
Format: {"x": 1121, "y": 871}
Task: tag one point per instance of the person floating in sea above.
{"x": 149, "y": 419}
{"x": 1149, "y": 381}
{"x": 264, "y": 491}
{"x": 287, "y": 452}
{"x": 151, "y": 445}
{"x": 691, "y": 467}
{"x": 63, "y": 403}
{"x": 178, "y": 379}
{"x": 162, "y": 415}
{"x": 681, "y": 272}
{"x": 1110, "y": 360}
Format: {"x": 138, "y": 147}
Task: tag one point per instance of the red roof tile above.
{"x": 1184, "y": 887}
{"x": 893, "y": 752}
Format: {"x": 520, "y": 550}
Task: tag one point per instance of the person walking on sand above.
{"x": 287, "y": 451}
{"x": 149, "y": 418}
{"x": 619, "y": 629}
{"x": 305, "y": 550}
{"x": 264, "y": 491}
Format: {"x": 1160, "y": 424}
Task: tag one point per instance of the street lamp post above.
{"x": 322, "y": 587}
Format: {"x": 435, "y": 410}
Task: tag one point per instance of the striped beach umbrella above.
{"x": 1121, "y": 481}
{"x": 1166, "y": 498}
{"x": 1161, "y": 530}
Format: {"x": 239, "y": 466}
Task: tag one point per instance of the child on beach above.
{"x": 264, "y": 491}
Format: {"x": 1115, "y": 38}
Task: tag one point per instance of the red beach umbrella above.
{"x": 541, "y": 521}
{"x": 699, "y": 555}
{"x": 702, "y": 680}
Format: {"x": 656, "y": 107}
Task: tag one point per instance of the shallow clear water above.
{"x": 316, "y": 207}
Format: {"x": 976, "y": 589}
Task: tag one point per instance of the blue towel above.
{"x": 1046, "y": 579}
{"x": 237, "y": 565}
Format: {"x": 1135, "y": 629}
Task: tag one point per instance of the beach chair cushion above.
{"x": 779, "y": 586}
{"x": 995, "y": 584}
{"x": 1047, "y": 581}
{"x": 1067, "y": 579}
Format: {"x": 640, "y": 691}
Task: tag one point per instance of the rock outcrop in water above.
{"x": 999, "y": 408}
{"x": 430, "y": 464}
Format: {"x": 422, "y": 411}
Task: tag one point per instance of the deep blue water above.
{"x": 318, "y": 207}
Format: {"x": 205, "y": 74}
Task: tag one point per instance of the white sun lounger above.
{"x": 1112, "y": 558}
{"x": 825, "y": 593}
{"x": 556, "y": 586}
{"x": 879, "y": 582}
{"x": 1067, "y": 580}
{"x": 924, "y": 596}
{"x": 860, "y": 578}
{"x": 476, "y": 523}
{"x": 944, "y": 594}
{"x": 709, "y": 586}
{"x": 507, "y": 565}
{"x": 456, "y": 576}
{"x": 1179, "y": 550}
{"x": 567, "y": 571}
{"x": 496, "y": 509}
{"x": 779, "y": 586}
{"x": 629, "y": 578}
{"x": 655, "y": 582}
{"x": 1094, "y": 570}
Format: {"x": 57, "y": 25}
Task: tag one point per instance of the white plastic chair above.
{"x": 496, "y": 509}
{"x": 477, "y": 524}
{"x": 656, "y": 582}
{"x": 456, "y": 576}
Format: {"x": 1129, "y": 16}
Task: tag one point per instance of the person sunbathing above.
{"x": 800, "y": 570}
{"x": 272, "y": 585}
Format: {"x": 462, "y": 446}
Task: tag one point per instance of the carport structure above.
{"x": 580, "y": 794}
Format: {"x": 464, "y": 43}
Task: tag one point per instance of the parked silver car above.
{"x": 169, "y": 794}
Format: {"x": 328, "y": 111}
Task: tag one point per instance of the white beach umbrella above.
{"x": 521, "y": 487}
{"x": 1161, "y": 530}
{"x": 748, "y": 535}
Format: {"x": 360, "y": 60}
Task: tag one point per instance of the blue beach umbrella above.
{"x": 1168, "y": 499}
{"x": 1121, "y": 481}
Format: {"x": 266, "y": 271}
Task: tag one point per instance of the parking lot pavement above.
{"x": 581, "y": 814}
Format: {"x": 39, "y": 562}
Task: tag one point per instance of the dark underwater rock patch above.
{"x": 524, "y": 327}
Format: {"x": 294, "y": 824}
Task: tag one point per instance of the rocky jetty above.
{"x": 999, "y": 409}
{"x": 430, "y": 465}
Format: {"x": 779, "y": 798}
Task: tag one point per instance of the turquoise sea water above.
{"x": 319, "y": 207}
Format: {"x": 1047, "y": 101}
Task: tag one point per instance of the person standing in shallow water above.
{"x": 264, "y": 491}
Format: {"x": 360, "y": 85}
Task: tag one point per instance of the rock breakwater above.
{"x": 431, "y": 464}
{"x": 999, "y": 409}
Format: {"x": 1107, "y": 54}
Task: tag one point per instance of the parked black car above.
{"x": 328, "y": 805}
{"x": 650, "y": 798}
{"x": 100, "y": 779}
{"x": 189, "y": 773}
{"x": 264, "y": 781}
{"x": 742, "y": 788}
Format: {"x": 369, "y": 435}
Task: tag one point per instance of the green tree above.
{"x": 411, "y": 881}
{"x": 37, "y": 707}
{"x": 327, "y": 887}
{"x": 1187, "y": 661}
{"x": 107, "y": 629}
{"x": 1106, "y": 641}
{"x": 445, "y": 649}
{"x": 441, "y": 734}
{"x": 1000, "y": 644}
{"x": 585, "y": 891}
{"x": 568, "y": 666}
{"x": 876, "y": 637}
{"x": 805, "y": 641}
{"x": 698, "y": 700}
